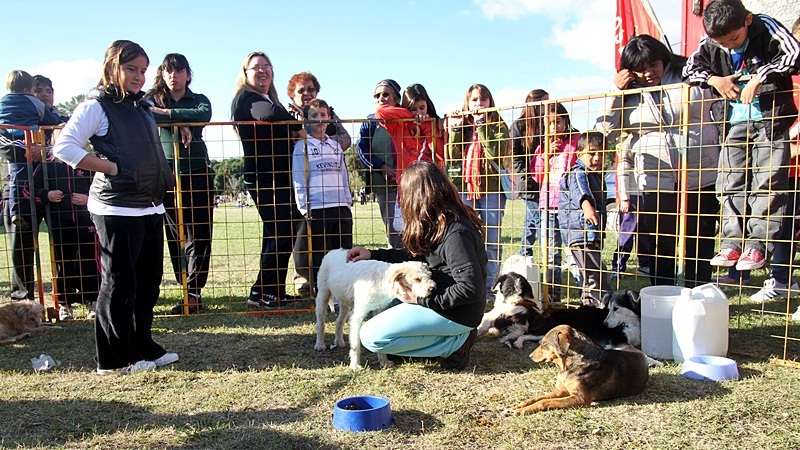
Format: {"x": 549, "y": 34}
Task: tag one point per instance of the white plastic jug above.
{"x": 700, "y": 323}
{"x": 527, "y": 267}
{"x": 657, "y": 303}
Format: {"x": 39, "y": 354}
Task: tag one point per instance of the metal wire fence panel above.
{"x": 670, "y": 182}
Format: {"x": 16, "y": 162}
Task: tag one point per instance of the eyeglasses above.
{"x": 260, "y": 68}
{"x": 309, "y": 90}
{"x": 383, "y": 94}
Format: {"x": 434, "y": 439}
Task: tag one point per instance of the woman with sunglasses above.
{"x": 375, "y": 151}
{"x": 304, "y": 87}
{"x": 267, "y": 147}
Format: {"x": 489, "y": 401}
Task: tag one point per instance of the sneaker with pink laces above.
{"x": 751, "y": 259}
{"x": 726, "y": 257}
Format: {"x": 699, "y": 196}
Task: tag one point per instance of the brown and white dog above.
{"x": 586, "y": 372}
{"x": 19, "y": 319}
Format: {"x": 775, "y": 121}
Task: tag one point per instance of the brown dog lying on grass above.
{"x": 20, "y": 319}
{"x": 587, "y": 372}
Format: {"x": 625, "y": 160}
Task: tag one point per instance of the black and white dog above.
{"x": 518, "y": 318}
{"x": 515, "y": 308}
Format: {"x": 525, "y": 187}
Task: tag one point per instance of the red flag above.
{"x": 634, "y": 17}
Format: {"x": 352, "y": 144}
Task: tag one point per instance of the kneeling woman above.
{"x": 445, "y": 233}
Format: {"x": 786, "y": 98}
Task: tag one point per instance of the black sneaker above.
{"x": 263, "y": 301}
{"x": 460, "y": 358}
{"x": 195, "y": 305}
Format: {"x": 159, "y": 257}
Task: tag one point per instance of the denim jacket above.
{"x": 577, "y": 185}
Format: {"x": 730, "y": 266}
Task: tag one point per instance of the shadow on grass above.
{"x": 31, "y": 423}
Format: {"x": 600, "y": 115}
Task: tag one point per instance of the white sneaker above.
{"x": 141, "y": 366}
{"x": 166, "y": 358}
{"x": 773, "y": 290}
{"x": 64, "y": 313}
{"x": 796, "y": 315}
{"x": 92, "y": 310}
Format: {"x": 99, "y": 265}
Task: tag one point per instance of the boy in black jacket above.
{"x": 755, "y": 120}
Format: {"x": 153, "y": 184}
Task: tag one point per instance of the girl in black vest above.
{"x": 125, "y": 201}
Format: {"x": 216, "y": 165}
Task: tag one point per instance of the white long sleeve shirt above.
{"x": 323, "y": 182}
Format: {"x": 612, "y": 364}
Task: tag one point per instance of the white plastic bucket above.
{"x": 527, "y": 267}
{"x": 700, "y": 323}
{"x": 657, "y": 304}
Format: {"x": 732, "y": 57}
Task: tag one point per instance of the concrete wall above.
{"x": 786, "y": 11}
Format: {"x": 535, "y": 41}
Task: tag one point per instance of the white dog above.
{"x": 363, "y": 286}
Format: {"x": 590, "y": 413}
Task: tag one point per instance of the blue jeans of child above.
{"x": 531, "y": 227}
{"x": 554, "y": 258}
{"x": 490, "y": 208}
{"x": 783, "y": 253}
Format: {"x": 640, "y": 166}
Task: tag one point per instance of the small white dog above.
{"x": 362, "y": 287}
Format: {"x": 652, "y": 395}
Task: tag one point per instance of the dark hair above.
{"x": 160, "y": 91}
{"x": 721, "y": 17}
{"x": 594, "y": 139}
{"x": 42, "y": 80}
{"x": 559, "y": 110}
{"x": 301, "y": 77}
{"x": 643, "y": 50}
{"x": 118, "y": 53}
{"x": 415, "y": 93}
{"x": 316, "y": 103}
{"x": 429, "y": 202}
{"x": 533, "y": 115}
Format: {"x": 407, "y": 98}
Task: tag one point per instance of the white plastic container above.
{"x": 657, "y": 305}
{"x": 700, "y": 323}
{"x": 527, "y": 267}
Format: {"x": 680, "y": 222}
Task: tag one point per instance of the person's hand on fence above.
{"x": 726, "y": 86}
{"x": 55, "y": 196}
{"x": 186, "y": 136}
{"x": 750, "y": 91}
{"x": 358, "y": 254}
{"x": 80, "y": 199}
{"x": 454, "y": 120}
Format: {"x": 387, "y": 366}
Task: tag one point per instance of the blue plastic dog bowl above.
{"x": 363, "y": 413}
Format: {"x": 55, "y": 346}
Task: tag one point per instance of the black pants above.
{"x": 131, "y": 256}
{"x": 701, "y": 213}
{"x": 77, "y": 277}
{"x": 21, "y": 238}
{"x": 197, "y": 207}
{"x": 277, "y": 211}
{"x": 330, "y": 229}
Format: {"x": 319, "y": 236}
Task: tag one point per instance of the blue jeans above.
{"x": 554, "y": 261}
{"x": 531, "y": 227}
{"x": 783, "y": 253}
{"x": 490, "y": 208}
{"x": 413, "y": 330}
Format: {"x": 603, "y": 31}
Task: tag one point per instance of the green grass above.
{"x": 248, "y": 381}
{"x": 256, "y": 382}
